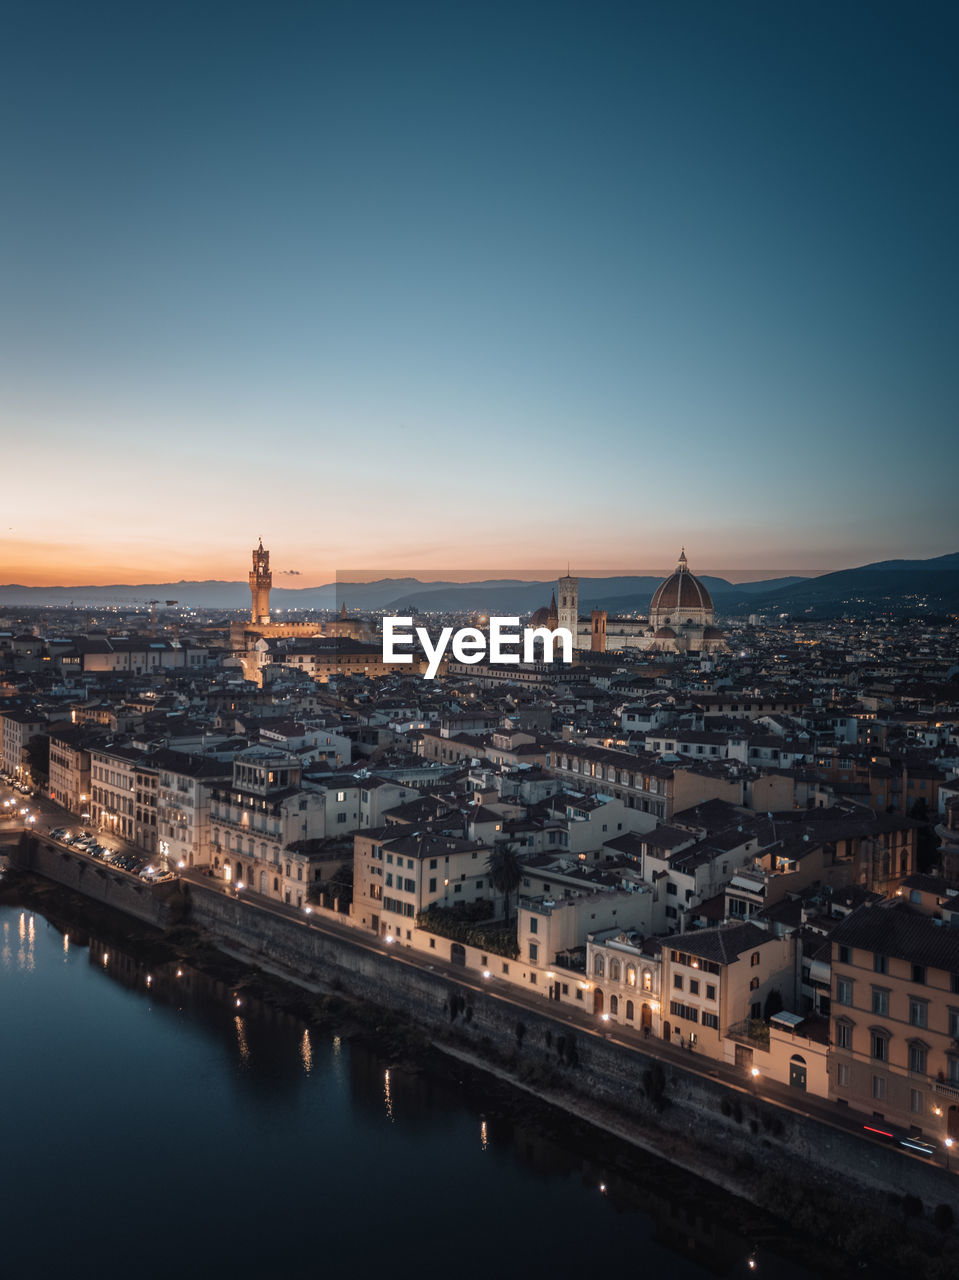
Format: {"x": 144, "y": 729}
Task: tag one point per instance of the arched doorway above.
{"x": 263, "y": 883}
{"x": 614, "y": 1005}
{"x": 646, "y": 1014}
{"x": 797, "y": 1071}
{"x": 665, "y": 1030}
{"x": 599, "y": 1001}
{"x": 458, "y": 953}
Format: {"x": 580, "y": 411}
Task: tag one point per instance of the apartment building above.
{"x": 895, "y": 1017}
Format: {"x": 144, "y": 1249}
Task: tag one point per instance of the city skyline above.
{"x": 430, "y": 285}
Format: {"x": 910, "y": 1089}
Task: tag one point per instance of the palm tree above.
{"x": 505, "y": 872}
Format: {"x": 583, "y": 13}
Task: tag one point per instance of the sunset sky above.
{"x": 468, "y": 284}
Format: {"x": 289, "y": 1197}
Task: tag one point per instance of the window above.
{"x": 879, "y": 1046}
{"x": 684, "y": 1011}
{"x": 843, "y": 991}
{"x": 693, "y": 987}
{"x": 433, "y": 884}
{"x": 879, "y": 1088}
{"x": 917, "y": 1058}
{"x": 754, "y": 985}
{"x": 919, "y": 974}
{"x": 879, "y": 963}
{"x": 880, "y": 1001}
{"x": 671, "y": 889}
{"x": 954, "y": 1023}
{"x": 844, "y": 955}
{"x": 614, "y": 1004}
{"x": 615, "y": 970}
{"x": 915, "y": 1101}
{"x": 842, "y": 1074}
{"x": 647, "y": 980}
{"x": 533, "y": 953}
{"x": 630, "y": 976}
{"x": 533, "y": 925}
{"x": 710, "y": 1020}
{"x": 754, "y": 959}
{"x": 341, "y": 796}
{"x": 918, "y": 1012}
{"x": 678, "y": 981}
{"x": 952, "y": 1068}
{"x": 843, "y": 1035}
{"x": 599, "y": 967}
{"x": 710, "y": 992}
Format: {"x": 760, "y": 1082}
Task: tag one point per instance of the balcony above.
{"x": 947, "y": 1090}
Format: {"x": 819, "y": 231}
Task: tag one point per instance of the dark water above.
{"x": 153, "y": 1128}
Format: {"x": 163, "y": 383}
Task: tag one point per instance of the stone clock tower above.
{"x": 568, "y": 606}
{"x": 260, "y": 582}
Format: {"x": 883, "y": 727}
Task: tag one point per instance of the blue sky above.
{"x": 436, "y": 284}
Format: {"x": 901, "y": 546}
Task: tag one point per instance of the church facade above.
{"x": 681, "y": 619}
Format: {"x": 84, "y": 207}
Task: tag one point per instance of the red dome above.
{"x": 682, "y": 596}
{"x": 665, "y": 633}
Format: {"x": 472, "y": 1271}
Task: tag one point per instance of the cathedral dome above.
{"x": 681, "y": 600}
{"x": 664, "y": 633}
{"x": 540, "y": 617}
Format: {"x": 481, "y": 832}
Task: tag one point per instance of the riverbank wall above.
{"x": 756, "y": 1138}
{"x": 680, "y": 1111}
{"x": 160, "y": 905}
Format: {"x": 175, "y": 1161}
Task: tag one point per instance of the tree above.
{"x": 340, "y": 886}
{"x": 773, "y": 1005}
{"x": 927, "y": 842}
{"x": 505, "y": 869}
{"x": 38, "y": 759}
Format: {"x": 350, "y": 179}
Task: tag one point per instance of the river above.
{"x": 156, "y": 1123}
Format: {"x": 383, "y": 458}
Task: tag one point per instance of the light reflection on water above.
{"x": 187, "y": 1091}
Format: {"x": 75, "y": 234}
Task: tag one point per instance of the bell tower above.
{"x": 260, "y": 582}
{"x": 568, "y": 605}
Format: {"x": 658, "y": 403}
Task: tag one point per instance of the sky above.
{"x": 453, "y": 284}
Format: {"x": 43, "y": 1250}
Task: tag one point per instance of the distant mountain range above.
{"x": 893, "y": 585}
